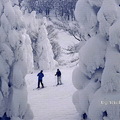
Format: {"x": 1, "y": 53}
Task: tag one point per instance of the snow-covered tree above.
{"x": 52, "y": 36}
{"x": 42, "y": 49}
{"x": 97, "y": 77}
{"x": 15, "y": 60}
{"x": 44, "y": 54}
{"x": 59, "y": 8}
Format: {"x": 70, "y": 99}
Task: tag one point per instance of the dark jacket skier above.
{"x": 40, "y": 76}
{"x": 58, "y": 74}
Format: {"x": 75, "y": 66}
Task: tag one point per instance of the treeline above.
{"x": 63, "y": 9}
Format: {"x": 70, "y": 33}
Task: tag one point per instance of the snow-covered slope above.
{"x": 65, "y": 40}
{"x": 52, "y": 103}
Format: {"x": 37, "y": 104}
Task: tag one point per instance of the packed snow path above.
{"x": 52, "y": 103}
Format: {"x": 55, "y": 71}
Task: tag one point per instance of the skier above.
{"x": 84, "y": 116}
{"x": 105, "y": 114}
{"x": 40, "y": 76}
{"x": 58, "y": 74}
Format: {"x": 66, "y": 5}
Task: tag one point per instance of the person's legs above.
{"x": 38, "y": 84}
{"x": 57, "y": 80}
{"x": 60, "y": 80}
{"x": 42, "y": 84}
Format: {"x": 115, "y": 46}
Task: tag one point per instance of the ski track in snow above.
{"x": 52, "y": 102}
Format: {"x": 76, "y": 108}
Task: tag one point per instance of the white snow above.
{"x": 97, "y": 77}
{"x": 87, "y": 20}
{"x": 93, "y": 56}
{"x": 95, "y": 2}
{"x": 52, "y": 103}
{"x": 42, "y": 49}
{"x": 107, "y": 16}
{"x": 65, "y": 40}
{"x": 14, "y": 63}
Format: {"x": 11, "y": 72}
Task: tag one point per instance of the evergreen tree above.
{"x": 97, "y": 77}
{"x": 42, "y": 50}
{"x": 63, "y": 9}
{"x": 14, "y": 62}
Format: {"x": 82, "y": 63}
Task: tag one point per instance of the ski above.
{"x": 58, "y": 85}
{"x": 39, "y": 88}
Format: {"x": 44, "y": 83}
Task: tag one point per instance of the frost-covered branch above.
{"x": 72, "y": 28}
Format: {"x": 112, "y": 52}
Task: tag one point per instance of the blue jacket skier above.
{"x": 40, "y": 76}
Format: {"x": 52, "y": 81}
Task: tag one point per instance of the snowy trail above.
{"x": 52, "y": 103}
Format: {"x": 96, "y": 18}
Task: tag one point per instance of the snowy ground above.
{"x": 65, "y": 40}
{"x": 52, "y": 103}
